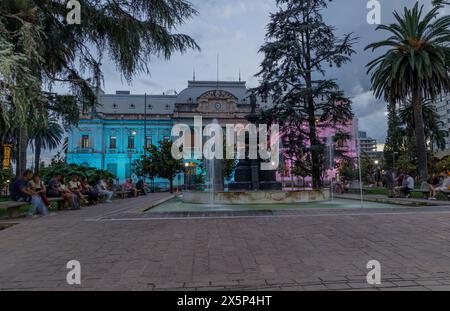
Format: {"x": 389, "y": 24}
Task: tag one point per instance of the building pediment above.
{"x": 217, "y": 95}
{"x": 217, "y": 101}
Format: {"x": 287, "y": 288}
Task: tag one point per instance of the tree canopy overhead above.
{"x": 128, "y": 32}
{"x": 39, "y": 48}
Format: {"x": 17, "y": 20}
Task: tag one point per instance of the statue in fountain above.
{"x": 248, "y": 175}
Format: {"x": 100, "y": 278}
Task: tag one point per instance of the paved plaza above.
{"x": 121, "y": 248}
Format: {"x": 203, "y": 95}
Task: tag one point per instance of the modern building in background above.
{"x": 369, "y": 145}
{"x": 442, "y": 105}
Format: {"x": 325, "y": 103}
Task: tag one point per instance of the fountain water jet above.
{"x": 214, "y": 169}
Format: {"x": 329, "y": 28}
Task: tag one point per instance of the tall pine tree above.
{"x": 394, "y": 136}
{"x": 299, "y": 45}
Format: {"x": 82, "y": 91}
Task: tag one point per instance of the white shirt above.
{"x": 410, "y": 183}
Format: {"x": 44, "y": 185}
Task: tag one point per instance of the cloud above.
{"x": 236, "y": 28}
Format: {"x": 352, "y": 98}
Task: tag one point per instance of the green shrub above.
{"x": 92, "y": 174}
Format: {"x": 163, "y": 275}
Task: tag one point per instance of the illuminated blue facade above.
{"x": 113, "y": 145}
{"x": 113, "y": 135}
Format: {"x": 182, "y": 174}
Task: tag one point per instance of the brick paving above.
{"x": 120, "y": 248}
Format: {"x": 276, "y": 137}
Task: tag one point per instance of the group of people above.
{"x": 399, "y": 183}
{"x": 403, "y": 183}
{"x": 140, "y": 188}
{"x": 30, "y": 188}
{"x": 439, "y": 183}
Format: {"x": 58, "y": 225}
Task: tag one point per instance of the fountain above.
{"x": 252, "y": 185}
{"x": 248, "y": 175}
{"x": 214, "y": 175}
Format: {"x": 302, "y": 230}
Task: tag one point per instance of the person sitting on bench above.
{"x": 129, "y": 186}
{"x": 408, "y": 186}
{"x": 88, "y": 190}
{"x": 445, "y": 187}
{"x": 75, "y": 187}
{"x": 141, "y": 187}
{"x": 20, "y": 192}
{"x": 433, "y": 185}
{"x": 37, "y": 185}
{"x": 56, "y": 189}
{"x": 103, "y": 190}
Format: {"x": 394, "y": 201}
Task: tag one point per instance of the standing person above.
{"x": 75, "y": 187}
{"x": 103, "y": 190}
{"x": 88, "y": 190}
{"x": 56, "y": 189}
{"x": 129, "y": 186}
{"x": 38, "y": 186}
{"x": 20, "y": 192}
{"x": 390, "y": 182}
{"x": 401, "y": 179}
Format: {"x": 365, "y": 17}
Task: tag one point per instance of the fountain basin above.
{"x": 257, "y": 197}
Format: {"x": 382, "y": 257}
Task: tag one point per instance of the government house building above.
{"x": 114, "y": 134}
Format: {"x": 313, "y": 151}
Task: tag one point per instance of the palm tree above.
{"x": 433, "y": 132}
{"x": 416, "y": 66}
{"x": 440, "y": 2}
{"x": 46, "y": 134}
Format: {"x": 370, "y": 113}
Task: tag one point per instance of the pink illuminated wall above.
{"x": 350, "y": 128}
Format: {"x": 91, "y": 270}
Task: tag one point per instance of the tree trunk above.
{"x": 37, "y": 156}
{"x": 171, "y": 185}
{"x": 22, "y": 147}
{"x": 313, "y": 139}
{"x": 420, "y": 133}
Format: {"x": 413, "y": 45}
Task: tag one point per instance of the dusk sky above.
{"x": 235, "y": 29}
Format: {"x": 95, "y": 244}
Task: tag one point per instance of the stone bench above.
{"x": 12, "y": 207}
{"x": 424, "y": 192}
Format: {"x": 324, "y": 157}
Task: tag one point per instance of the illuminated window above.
{"x": 148, "y": 141}
{"x": 131, "y": 142}
{"x": 85, "y": 142}
{"x": 113, "y": 142}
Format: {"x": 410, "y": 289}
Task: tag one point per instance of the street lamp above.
{"x": 130, "y": 154}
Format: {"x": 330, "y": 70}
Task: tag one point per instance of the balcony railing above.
{"x": 85, "y": 150}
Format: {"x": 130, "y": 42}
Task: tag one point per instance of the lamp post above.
{"x": 145, "y": 124}
{"x": 130, "y": 153}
